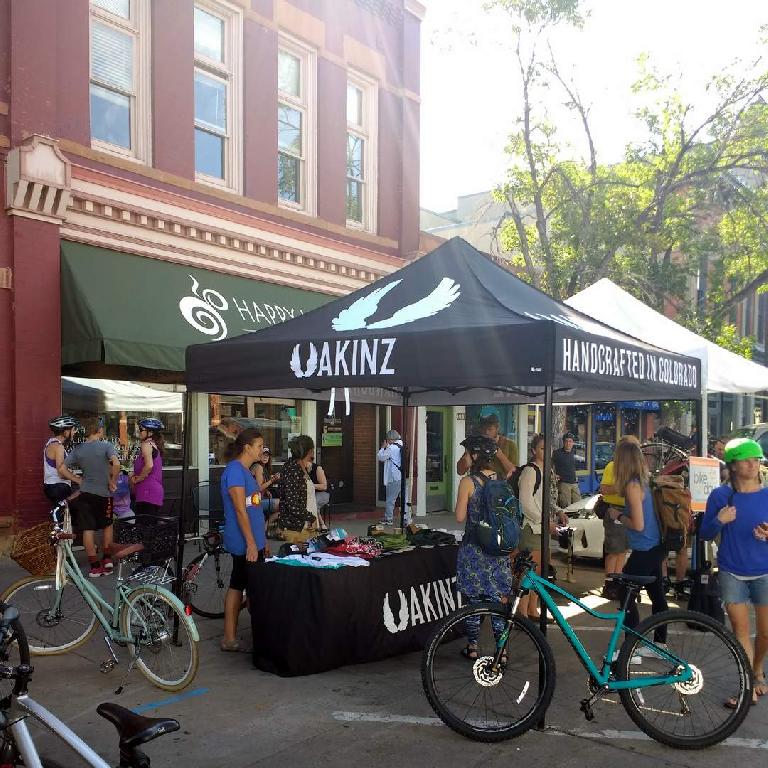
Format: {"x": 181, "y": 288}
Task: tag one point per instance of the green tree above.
{"x": 688, "y": 200}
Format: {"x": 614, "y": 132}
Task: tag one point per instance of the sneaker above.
{"x": 107, "y": 563}
{"x": 650, "y": 653}
{"x": 385, "y": 522}
{"x": 94, "y": 573}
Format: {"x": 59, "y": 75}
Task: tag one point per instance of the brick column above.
{"x": 37, "y": 194}
{"x": 364, "y": 451}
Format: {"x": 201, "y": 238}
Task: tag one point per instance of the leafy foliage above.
{"x": 688, "y": 201}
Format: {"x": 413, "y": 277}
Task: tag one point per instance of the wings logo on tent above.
{"x": 356, "y": 316}
{"x": 296, "y": 367}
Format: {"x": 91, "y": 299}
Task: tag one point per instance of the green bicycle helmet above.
{"x": 742, "y": 448}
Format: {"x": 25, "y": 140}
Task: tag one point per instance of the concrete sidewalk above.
{"x": 374, "y": 715}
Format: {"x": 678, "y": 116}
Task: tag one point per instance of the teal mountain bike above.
{"x": 674, "y": 691}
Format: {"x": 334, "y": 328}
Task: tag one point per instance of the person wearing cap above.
{"x": 56, "y": 485}
{"x": 738, "y": 513}
{"x": 226, "y": 433}
{"x": 565, "y": 468}
{"x": 391, "y": 455}
{"x": 504, "y": 461}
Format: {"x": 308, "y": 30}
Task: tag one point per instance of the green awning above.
{"x": 122, "y": 309}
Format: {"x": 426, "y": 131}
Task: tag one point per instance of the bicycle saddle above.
{"x": 134, "y": 729}
{"x": 630, "y": 580}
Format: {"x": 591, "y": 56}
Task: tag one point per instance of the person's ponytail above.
{"x": 237, "y": 446}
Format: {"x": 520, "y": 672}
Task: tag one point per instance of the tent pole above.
{"x": 403, "y": 467}
{"x": 701, "y": 443}
{"x": 545, "y": 496}
{"x": 184, "y": 490}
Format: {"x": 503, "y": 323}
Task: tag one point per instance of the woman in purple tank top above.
{"x": 147, "y": 479}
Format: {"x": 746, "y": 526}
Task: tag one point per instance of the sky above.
{"x": 470, "y": 94}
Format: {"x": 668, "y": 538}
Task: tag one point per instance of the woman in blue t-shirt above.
{"x": 738, "y": 512}
{"x": 643, "y": 534}
{"x": 244, "y": 534}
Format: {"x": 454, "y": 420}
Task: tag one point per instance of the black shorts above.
{"x": 145, "y": 508}
{"x": 91, "y": 512}
{"x": 239, "y": 578}
{"x": 56, "y": 492}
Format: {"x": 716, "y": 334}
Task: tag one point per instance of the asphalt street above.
{"x": 372, "y": 715}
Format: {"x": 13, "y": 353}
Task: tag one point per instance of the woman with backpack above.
{"x": 530, "y": 496}
{"x": 738, "y": 513}
{"x": 631, "y": 478}
{"x": 479, "y": 576}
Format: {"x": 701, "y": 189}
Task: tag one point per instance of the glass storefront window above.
{"x": 277, "y": 420}
{"x": 577, "y": 423}
{"x": 121, "y": 405}
{"x": 605, "y": 433}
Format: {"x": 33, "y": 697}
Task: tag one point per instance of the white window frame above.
{"x": 230, "y": 72}
{"x": 138, "y": 27}
{"x": 369, "y": 133}
{"x": 307, "y": 105}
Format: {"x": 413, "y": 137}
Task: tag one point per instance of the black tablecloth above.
{"x": 308, "y": 620}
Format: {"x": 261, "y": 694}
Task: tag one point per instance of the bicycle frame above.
{"x": 23, "y": 707}
{"x": 531, "y": 581}
{"x": 103, "y": 609}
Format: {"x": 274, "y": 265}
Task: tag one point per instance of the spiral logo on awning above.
{"x": 202, "y": 311}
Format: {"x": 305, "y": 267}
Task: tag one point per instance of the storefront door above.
{"x": 335, "y": 443}
{"x": 438, "y": 473}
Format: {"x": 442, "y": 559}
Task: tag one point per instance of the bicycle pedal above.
{"x": 107, "y": 666}
{"x": 586, "y": 707}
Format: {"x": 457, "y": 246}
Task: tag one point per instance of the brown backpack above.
{"x": 672, "y": 503}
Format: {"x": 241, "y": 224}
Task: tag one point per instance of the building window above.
{"x": 218, "y": 135}
{"x": 361, "y": 153}
{"x": 295, "y": 129}
{"x": 119, "y": 77}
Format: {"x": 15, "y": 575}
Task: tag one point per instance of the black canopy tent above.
{"x": 451, "y": 328}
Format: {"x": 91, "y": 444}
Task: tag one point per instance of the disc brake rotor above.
{"x": 692, "y": 686}
{"x": 484, "y": 672}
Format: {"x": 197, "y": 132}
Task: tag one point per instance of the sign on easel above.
{"x": 704, "y": 477}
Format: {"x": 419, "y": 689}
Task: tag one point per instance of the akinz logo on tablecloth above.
{"x": 358, "y": 357}
{"x": 425, "y": 603}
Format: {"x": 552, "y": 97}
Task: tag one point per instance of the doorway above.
{"x": 438, "y": 474}
{"x": 336, "y": 434}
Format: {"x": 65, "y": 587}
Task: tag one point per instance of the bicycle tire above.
{"x": 721, "y": 669}
{"x": 443, "y": 651}
{"x": 206, "y": 581}
{"x": 150, "y": 615}
{"x": 46, "y": 635}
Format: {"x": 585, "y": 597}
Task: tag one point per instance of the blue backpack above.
{"x": 497, "y": 531}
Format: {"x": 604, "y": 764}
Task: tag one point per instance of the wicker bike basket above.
{"x": 33, "y": 550}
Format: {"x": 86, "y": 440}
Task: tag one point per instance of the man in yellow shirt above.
{"x": 615, "y": 543}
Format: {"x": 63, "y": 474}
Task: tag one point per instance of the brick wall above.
{"x": 364, "y": 451}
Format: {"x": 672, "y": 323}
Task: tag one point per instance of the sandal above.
{"x": 233, "y": 646}
{"x": 761, "y": 686}
{"x": 732, "y": 703}
{"x": 469, "y": 652}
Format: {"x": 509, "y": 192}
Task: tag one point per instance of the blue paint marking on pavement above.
{"x": 142, "y": 708}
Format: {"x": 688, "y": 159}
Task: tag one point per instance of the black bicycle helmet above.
{"x": 63, "y": 422}
{"x": 480, "y": 444}
{"x": 154, "y": 424}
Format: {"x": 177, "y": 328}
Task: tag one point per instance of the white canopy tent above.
{"x": 721, "y": 370}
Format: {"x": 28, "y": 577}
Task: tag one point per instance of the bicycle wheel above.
{"x": 54, "y": 621}
{"x": 687, "y": 715}
{"x": 148, "y": 617}
{"x": 206, "y": 581}
{"x": 474, "y": 699}
{"x": 14, "y": 650}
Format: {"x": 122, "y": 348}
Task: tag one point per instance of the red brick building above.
{"x": 183, "y": 170}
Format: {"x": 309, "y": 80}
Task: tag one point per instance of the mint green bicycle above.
{"x": 674, "y": 691}
{"x": 60, "y": 613}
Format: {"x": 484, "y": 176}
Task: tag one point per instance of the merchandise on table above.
{"x": 319, "y": 560}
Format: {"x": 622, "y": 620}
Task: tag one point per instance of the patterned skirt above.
{"x": 481, "y": 575}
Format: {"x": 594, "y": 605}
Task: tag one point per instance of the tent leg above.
{"x": 184, "y": 491}
{"x": 545, "y": 497}
{"x": 701, "y": 448}
{"x": 403, "y": 468}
